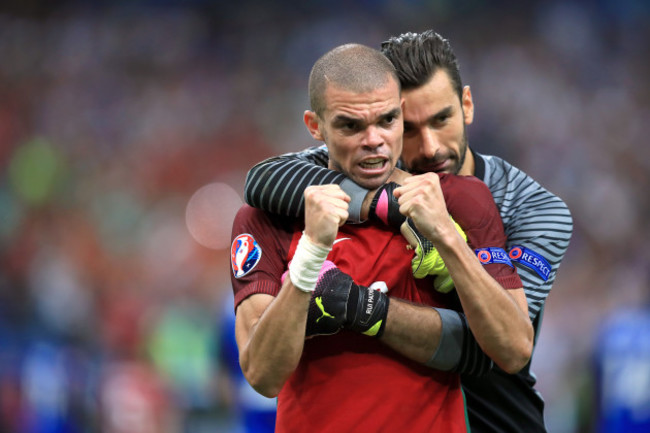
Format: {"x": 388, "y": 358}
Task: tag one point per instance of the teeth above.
{"x": 373, "y": 163}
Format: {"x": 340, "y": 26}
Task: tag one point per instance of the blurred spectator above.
{"x": 254, "y": 412}
{"x": 622, "y": 373}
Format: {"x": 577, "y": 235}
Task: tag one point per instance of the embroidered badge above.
{"x": 245, "y": 254}
{"x": 531, "y": 259}
{"x": 493, "y": 255}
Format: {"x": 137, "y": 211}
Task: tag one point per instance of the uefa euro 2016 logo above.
{"x": 245, "y": 253}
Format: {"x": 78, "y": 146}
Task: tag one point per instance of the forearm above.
{"x": 412, "y": 330}
{"x": 437, "y": 337}
{"x": 276, "y": 341}
{"x": 499, "y": 324}
{"x": 277, "y": 184}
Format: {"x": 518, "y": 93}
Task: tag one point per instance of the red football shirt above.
{"x": 350, "y": 382}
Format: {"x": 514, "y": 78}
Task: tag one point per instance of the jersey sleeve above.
{"x": 471, "y": 205}
{"x": 258, "y": 254}
{"x": 538, "y": 238}
{"x": 277, "y": 184}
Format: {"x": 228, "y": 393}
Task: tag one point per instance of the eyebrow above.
{"x": 442, "y": 113}
{"x": 395, "y": 112}
{"x": 342, "y": 118}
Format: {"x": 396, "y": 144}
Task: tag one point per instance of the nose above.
{"x": 430, "y": 143}
{"x": 373, "y": 137}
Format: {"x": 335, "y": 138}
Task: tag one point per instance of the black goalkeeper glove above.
{"x": 338, "y": 302}
{"x": 384, "y": 206}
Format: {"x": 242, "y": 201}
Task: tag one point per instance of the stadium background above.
{"x": 126, "y": 130}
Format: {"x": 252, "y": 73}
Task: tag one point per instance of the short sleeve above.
{"x": 258, "y": 253}
{"x": 470, "y": 203}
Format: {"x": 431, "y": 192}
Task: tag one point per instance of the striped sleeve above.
{"x": 538, "y": 225}
{"x": 277, "y": 184}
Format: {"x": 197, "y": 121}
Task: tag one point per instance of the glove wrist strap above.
{"x": 367, "y": 312}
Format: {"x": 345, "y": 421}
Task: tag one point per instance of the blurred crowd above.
{"x": 114, "y": 257}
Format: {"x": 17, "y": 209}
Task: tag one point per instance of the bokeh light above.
{"x": 210, "y": 213}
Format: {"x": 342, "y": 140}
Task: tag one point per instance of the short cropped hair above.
{"x": 354, "y": 67}
{"x": 418, "y": 56}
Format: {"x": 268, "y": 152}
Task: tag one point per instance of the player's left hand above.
{"x": 338, "y": 302}
{"x": 329, "y": 302}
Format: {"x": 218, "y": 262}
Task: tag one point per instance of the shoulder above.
{"x": 470, "y": 202}
{"x": 464, "y": 188}
{"x": 512, "y": 184}
{"x": 259, "y": 251}
{"x": 254, "y": 217}
{"x": 263, "y": 228}
{"x": 314, "y": 153}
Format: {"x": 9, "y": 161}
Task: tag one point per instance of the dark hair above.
{"x": 353, "y": 67}
{"x": 418, "y": 56}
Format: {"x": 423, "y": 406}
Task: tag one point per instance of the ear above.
{"x": 468, "y": 106}
{"x": 311, "y": 122}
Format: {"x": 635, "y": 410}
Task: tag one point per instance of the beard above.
{"x": 427, "y": 165}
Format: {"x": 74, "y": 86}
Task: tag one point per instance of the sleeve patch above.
{"x": 531, "y": 259}
{"x": 493, "y": 255}
{"x": 245, "y": 254}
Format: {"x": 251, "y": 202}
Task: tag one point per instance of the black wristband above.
{"x": 367, "y": 311}
{"x": 389, "y": 213}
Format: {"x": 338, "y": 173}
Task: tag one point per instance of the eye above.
{"x": 349, "y": 126}
{"x": 389, "y": 120}
{"x": 441, "y": 119}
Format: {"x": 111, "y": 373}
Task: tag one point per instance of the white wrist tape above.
{"x": 307, "y": 263}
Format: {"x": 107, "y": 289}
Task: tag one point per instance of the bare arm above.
{"x": 447, "y": 344}
{"x": 497, "y": 318}
{"x": 404, "y": 330}
{"x": 270, "y": 331}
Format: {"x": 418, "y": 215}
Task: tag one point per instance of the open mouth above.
{"x": 373, "y": 163}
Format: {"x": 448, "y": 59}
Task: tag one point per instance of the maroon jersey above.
{"x": 348, "y": 381}
{"x": 470, "y": 203}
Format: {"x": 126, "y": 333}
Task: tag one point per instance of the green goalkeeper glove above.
{"x": 427, "y": 260}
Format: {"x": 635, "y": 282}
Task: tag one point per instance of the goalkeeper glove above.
{"x": 384, "y": 206}
{"x": 338, "y": 302}
{"x": 427, "y": 260}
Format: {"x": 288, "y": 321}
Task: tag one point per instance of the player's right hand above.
{"x": 326, "y": 209}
